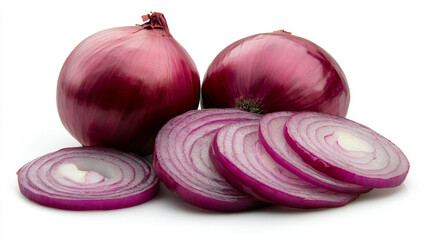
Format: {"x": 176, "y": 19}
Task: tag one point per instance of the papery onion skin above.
{"x": 273, "y": 72}
{"x": 43, "y": 185}
{"x": 283, "y": 187}
{"x": 119, "y": 86}
{"x": 355, "y": 170}
{"x": 185, "y": 167}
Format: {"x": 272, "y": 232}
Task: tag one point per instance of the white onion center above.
{"x": 71, "y": 172}
{"x": 351, "y": 143}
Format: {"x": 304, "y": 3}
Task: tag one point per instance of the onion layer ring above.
{"x": 346, "y": 150}
{"x": 88, "y": 178}
{"x": 182, "y": 162}
{"x": 272, "y": 137}
{"x": 241, "y": 158}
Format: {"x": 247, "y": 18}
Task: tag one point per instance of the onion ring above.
{"x": 88, "y": 178}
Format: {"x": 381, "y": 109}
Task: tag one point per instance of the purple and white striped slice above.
{"x": 346, "y": 150}
{"x": 241, "y": 158}
{"x": 272, "y": 137}
{"x": 88, "y": 178}
{"x": 182, "y": 162}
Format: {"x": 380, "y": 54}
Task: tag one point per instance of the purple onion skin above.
{"x": 119, "y": 86}
{"x": 279, "y": 72}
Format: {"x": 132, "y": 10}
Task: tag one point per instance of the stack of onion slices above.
{"x": 227, "y": 159}
{"x": 241, "y": 158}
{"x": 182, "y": 162}
{"x": 272, "y": 137}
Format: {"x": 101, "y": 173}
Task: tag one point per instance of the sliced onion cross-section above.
{"x": 88, "y": 178}
{"x": 346, "y": 150}
{"x": 182, "y": 162}
{"x": 272, "y": 137}
{"x": 240, "y": 157}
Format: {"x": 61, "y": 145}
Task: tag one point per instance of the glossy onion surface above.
{"x": 274, "y": 72}
{"x": 241, "y": 158}
{"x": 88, "y": 178}
{"x": 181, "y": 160}
{"x": 346, "y": 150}
{"x": 119, "y": 86}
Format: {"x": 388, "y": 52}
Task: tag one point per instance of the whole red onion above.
{"x": 273, "y": 72}
{"x": 119, "y": 86}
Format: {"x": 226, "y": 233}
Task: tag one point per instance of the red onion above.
{"x": 182, "y": 162}
{"x": 88, "y": 178}
{"x": 346, "y": 150}
{"x": 240, "y": 157}
{"x": 274, "y": 72}
{"x": 119, "y": 86}
{"x": 272, "y": 137}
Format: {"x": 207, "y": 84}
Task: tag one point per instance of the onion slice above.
{"x": 181, "y": 160}
{"x": 272, "y": 137}
{"x": 88, "y": 178}
{"x": 346, "y": 150}
{"x": 240, "y": 157}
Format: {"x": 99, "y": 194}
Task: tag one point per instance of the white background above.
{"x": 382, "y": 46}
